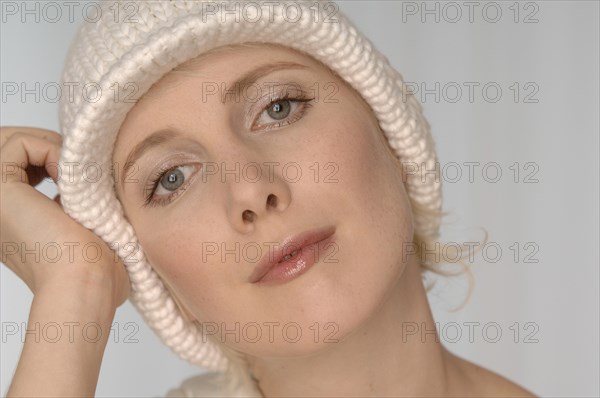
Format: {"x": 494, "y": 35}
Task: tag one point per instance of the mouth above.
{"x": 293, "y": 257}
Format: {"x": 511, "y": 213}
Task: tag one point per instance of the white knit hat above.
{"x": 141, "y": 41}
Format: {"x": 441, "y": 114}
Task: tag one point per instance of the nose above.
{"x": 255, "y": 191}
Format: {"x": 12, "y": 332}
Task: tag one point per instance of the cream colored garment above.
{"x": 211, "y": 384}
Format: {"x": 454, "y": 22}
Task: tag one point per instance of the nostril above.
{"x": 272, "y": 201}
{"x": 248, "y": 216}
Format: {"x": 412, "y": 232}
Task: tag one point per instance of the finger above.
{"x": 57, "y": 200}
{"x": 49, "y": 135}
{"x": 35, "y": 174}
{"x": 22, "y": 150}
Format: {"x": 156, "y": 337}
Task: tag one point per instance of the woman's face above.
{"x": 236, "y": 178}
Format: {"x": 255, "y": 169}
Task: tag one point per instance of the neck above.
{"x": 395, "y": 353}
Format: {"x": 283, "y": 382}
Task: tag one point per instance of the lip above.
{"x": 309, "y": 244}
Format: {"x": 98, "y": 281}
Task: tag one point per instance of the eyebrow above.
{"x": 154, "y": 139}
{"x": 247, "y": 80}
{"x": 252, "y": 76}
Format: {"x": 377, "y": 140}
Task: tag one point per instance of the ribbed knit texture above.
{"x": 112, "y": 55}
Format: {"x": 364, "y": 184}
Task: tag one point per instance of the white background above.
{"x": 554, "y": 302}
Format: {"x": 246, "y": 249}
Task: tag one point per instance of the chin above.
{"x": 319, "y": 310}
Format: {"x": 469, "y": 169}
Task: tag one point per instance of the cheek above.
{"x": 369, "y": 179}
{"x": 367, "y": 202}
{"x": 176, "y": 252}
{"x": 198, "y": 259}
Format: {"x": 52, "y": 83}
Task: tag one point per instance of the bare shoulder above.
{"x": 481, "y": 382}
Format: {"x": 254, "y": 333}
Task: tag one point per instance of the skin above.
{"x": 67, "y": 288}
{"x": 360, "y": 299}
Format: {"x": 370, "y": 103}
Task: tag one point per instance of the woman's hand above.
{"x": 74, "y": 294}
{"x": 40, "y": 242}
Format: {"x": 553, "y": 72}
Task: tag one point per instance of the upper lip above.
{"x": 287, "y": 246}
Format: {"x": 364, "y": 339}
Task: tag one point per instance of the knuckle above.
{"x": 8, "y": 134}
{"x": 15, "y": 136}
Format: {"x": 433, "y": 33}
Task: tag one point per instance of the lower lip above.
{"x": 292, "y": 268}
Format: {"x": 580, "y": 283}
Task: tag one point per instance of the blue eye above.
{"x": 279, "y": 110}
{"x": 172, "y": 179}
{"x": 284, "y": 110}
{"x": 167, "y": 183}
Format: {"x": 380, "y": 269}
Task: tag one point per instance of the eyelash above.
{"x": 301, "y": 99}
{"x": 152, "y": 185}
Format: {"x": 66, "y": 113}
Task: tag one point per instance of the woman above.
{"x": 240, "y": 170}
